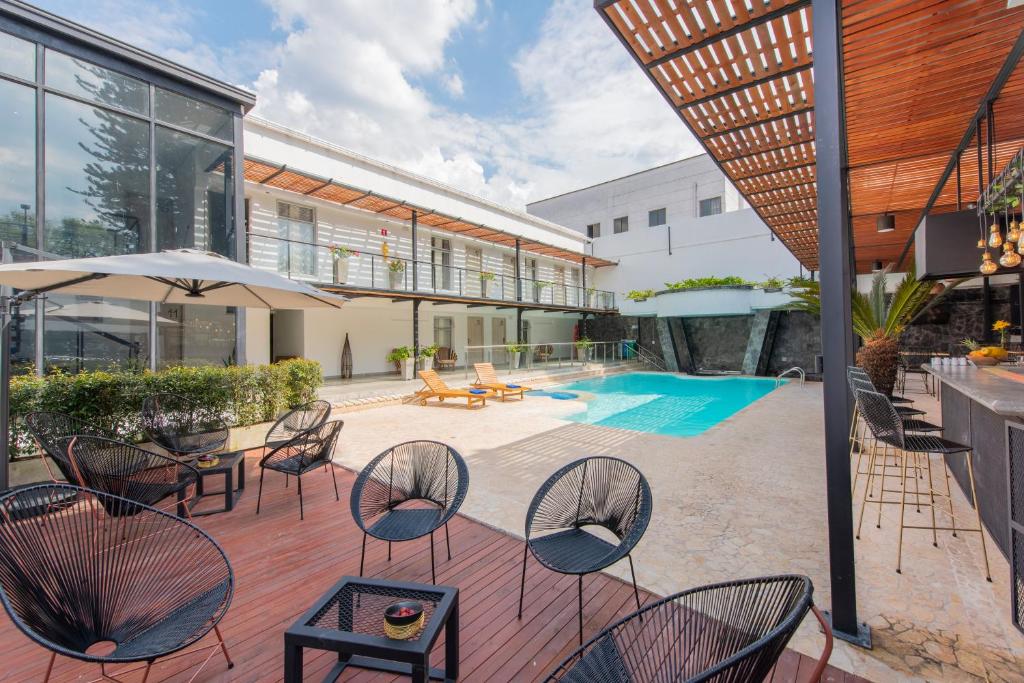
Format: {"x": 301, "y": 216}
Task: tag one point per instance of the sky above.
{"x": 511, "y": 100}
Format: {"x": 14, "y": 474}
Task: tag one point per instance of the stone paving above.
{"x": 745, "y": 498}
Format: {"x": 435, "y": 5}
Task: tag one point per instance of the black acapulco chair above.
{"x": 296, "y": 420}
{"x": 304, "y": 452}
{"x": 730, "y": 632}
{"x": 52, "y": 431}
{"x": 591, "y": 492}
{"x": 182, "y": 427}
{"x": 407, "y": 492}
{"x": 110, "y": 590}
{"x": 127, "y": 471}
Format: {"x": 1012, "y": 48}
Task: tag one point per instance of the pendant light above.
{"x": 988, "y": 266}
{"x": 1013, "y": 231}
{"x": 1010, "y": 258}
{"x": 995, "y": 238}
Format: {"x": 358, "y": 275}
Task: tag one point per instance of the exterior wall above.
{"x": 718, "y": 344}
{"x": 957, "y": 317}
{"x": 735, "y": 242}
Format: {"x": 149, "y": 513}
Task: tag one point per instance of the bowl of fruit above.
{"x": 403, "y": 619}
{"x": 981, "y": 356}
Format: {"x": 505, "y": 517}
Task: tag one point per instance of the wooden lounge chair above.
{"x": 445, "y": 358}
{"x": 436, "y": 388}
{"x": 487, "y": 378}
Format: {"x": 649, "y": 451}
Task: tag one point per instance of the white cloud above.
{"x": 351, "y": 71}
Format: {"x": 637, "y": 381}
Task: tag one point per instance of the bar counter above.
{"x": 976, "y": 404}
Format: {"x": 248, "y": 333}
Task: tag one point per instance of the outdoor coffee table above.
{"x": 232, "y": 468}
{"x": 349, "y": 620}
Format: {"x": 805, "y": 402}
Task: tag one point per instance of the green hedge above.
{"x": 244, "y": 394}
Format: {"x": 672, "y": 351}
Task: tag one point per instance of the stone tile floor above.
{"x": 747, "y": 497}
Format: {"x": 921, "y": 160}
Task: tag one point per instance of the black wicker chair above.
{"x": 302, "y": 453}
{"x": 181, "y": 427}
{"x": 52, "y": 430}
{"x": 307, "y": 416}
{"x": 109, "y": 590}
{"x": 431, "y": 477}
{"x": 727, "y": 632}
{"x": 596, "y": 492}
{"x": 129, "y": 472}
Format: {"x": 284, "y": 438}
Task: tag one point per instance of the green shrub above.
{"x": 243, "y": 394}
{"x": 639, "y": 294}
{"x": 704, "y": 282}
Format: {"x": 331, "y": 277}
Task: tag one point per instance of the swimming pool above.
{"x": 661, "y": 403}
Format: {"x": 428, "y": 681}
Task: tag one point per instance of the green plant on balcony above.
{"x": 773, "y": 284}
{"x": 515, "y": 348}
{"x": 429, "y": 351}
{"x": 340, "y": 251}
{"x": 706, "y": 282}
{"x": 487, "y": 276}
{"x": 396, "y": 265}
{"x": 639, "y": 295}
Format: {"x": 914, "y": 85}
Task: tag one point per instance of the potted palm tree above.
{"x": 878, "y": 319}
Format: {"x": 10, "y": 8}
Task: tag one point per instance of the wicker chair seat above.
{"x": 927, "y": 443}
{"x": 406, "y": 524}
{"x": 574, "y": 551}
{"x": 182, "y": 442}
{"x": 182, "y": 427}
{"x": 907, "y": 411}
{"x": 911, "y": 424}
{"x": 300, "y": 463}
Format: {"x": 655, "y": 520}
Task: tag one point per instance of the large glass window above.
{"x": 620, "y": 224}
{"x": 195, "y": 335}
{"x": 194, "y": 193}
{"x": 186, "y": 112}
{"x": 443, "y": 326}
{"x": 18, "y": 167}
{"x": 97, "y": 180}
{"x": 594, "y": 230}
{"x": 23, "y": 340}
{"x": 296, "y": 253}
{"x": 17, "y": 57}
{"x": 656, "y": 217}
{"x": 710, "y": 207}
{"x": 96, "y": 83}
{"x": 85, "y": 333}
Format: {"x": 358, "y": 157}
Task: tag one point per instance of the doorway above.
{"x": 498, "y": 337}
{"x": 474, "y": 337}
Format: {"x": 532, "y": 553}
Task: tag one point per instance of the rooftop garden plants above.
{"x": 706, "y": 282}
{"x": 638, "y": 294}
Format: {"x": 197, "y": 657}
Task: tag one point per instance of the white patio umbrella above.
{"x": 182, "y": 276}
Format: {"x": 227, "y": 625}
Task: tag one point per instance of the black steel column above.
{"x": 519, "y": 325}
{"x": 581, "y": 296}
{"x": 415, "y": 329}
{"x": 415, "y": 263}
{"x": 519, "y": 282}
{"x": 836, "y": 328}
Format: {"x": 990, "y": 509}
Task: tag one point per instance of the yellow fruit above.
{"x": 997, "y": 352}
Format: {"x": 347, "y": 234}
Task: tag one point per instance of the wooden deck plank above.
{"x": 282, "y": 565}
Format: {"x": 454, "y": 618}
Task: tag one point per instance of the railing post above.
{"x": 519, "y": 283}
{"x": 415, "y": 239}
{"x": 373, "y": 274}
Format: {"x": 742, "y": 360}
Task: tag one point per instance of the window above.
{"x": 188, "y": 113}
{"x": 621, "y": 225}
{"x": 296, "y": 253}
{"x": 95, "y": 83}
{"x": 97, "y": 181}
{"x": 195, "y": 335}
{"x": 441, "y": 263}
{"x": 195, "y": 193}
{"x": 443, "y": 331}
{"x": 84, "y": 333}
{"x": 594, "y": 230}
{"x": 710, "y": 206}
{"x": 17, "y": 57}
{"x": 18, "y": 172}
{"x": 656, "y": 217}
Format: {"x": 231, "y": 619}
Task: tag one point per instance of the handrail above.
{"x": 650, "y": 358}
{"x": 797, "y": 369}
{"x": 308, "y": 260}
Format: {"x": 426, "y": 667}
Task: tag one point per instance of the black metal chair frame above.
{"x": 381, "y": 488}
{"x": 298, "y": 419}
{"x": 632, "y": 649}
{"x": 126, "y": 471}
{"x": 572, "y": 510}
{"x": 51, "y": 430}
{"x": 185, "y": 419}
{"x": 304, "y": 452}
{"x": 57, "y": 567}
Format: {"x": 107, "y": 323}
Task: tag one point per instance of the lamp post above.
{"x": 24, "y": 223}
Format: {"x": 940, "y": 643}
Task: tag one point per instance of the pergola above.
{"x": 836, "y": 119}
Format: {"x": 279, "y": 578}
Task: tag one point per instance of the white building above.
{"x": 303, "y": 195}
{"x": 669, "y": 223}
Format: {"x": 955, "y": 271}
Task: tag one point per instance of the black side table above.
{"x": 231, "y": 466}
{"x": 349, "y": 620}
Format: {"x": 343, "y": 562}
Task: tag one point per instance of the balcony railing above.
{"x": 314, "y": 263}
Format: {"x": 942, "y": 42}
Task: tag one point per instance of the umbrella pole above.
{"x": 5, "y": 393}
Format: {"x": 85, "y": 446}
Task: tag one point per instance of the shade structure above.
{"x": 96, "y": 310}
{"x": 181, "y": 276}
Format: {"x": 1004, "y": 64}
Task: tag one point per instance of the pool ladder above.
{"x": 798, "y": 370}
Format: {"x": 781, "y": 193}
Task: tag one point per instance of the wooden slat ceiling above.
{"x": 290, "y": 180}
{"x": 739, "y": 73}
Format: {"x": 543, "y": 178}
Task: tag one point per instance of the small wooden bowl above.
{"x": 401, "y": 627}
{"x": 984, "y": 361}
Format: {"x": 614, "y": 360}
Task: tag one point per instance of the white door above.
{"x": 498, "y": 337}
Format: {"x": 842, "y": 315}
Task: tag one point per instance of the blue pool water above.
{"x": 664, "y": 404}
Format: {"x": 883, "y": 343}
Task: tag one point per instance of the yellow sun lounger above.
{"x": 487, "y": 378}
{"x": 436, "y": 388}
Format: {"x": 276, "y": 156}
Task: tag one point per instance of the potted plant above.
{"x": 514, "y": 353}
{"x": 583, "y": 346}
{"x": 539, "y": 287}
{"x": 340, "y": 255}
{"x": 427, "y": 354}
{"x": 396, "y": 269}
{"x": 639, "y": 295}
{"x": 878, "y": 319}
{"x": 486, "y": 276}
{"x": 590, "y": 297}
{"x": 402, "y": 357}
{"x": 773, "y": 284}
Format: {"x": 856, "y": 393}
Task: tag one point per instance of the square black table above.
{"x": 349, "y": 620}
{"x": 232, "y": 468}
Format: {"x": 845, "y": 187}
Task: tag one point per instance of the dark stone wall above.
{"x": 718, "y": 343}
{"x": 958, "y": 316}
{"x": 797, "y": 342}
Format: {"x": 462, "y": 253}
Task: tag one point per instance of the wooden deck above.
{"x": 282, "y": 565}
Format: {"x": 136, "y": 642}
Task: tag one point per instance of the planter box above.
{"x": 427, "y": 363}
{"x": 340, "y": 271}
{"x": 395, "y": 279}
{"x": 408, "y": 367}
